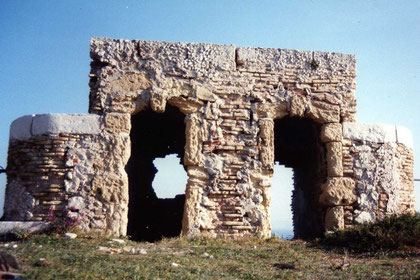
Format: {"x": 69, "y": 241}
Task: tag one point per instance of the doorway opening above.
{"x": 297, "y": 145}
{"x": 154, "y": 135}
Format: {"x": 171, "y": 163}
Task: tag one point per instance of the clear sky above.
{"x": 44, "y": 48}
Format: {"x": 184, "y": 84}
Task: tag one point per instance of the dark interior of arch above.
{"x": 153, "y": 135}
{"x": 298, "y": 145}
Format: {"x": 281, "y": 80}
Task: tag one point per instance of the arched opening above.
{"x": 297, "y": 145}
{"x": 154, "y": 135}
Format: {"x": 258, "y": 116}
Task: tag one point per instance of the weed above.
{"x": 65, "y": 221}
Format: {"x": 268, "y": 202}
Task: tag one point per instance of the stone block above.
{"x": 377, "y": 133}
{"x": 115, "y": 122}
{"x": 204, "y": 94}
{"x": 322, "y": 112}
{"x": 267, "y": 142}
{"x": 130, "y": 82}
{"x": 158, "y": 101}
{"x": 21, "y": 128}
{"x": 276, "y": 110}
{"x": 334, "y": 218}
{"x": 193, "y": 142}
{"x": 46, "y": 124}
{"x": 335, "y": 159}
{"x": 332, "y": 132}
{"x": 23, "y": 227}
{"x": 338, "y": 191}
{"x": 298, "y": 106}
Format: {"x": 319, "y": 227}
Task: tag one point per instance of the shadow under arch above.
{"x": 297, "y": 145}
{"x": 153, "y": 135}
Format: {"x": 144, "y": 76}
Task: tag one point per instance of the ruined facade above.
{"x": 229, "y": 113}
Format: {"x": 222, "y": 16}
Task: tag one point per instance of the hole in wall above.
{"x": 153, "y": 136}
{"x": 297, "y": 145}
{"x": 171, "y": 178}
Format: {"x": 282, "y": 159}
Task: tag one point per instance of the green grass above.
{"x": 240, "y": 259}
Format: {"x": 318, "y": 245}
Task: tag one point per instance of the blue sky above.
{"x": 44, "y": 47}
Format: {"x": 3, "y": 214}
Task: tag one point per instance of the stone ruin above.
{"x": 229, "y": 113}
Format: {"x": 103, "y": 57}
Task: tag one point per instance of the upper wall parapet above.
{"x": 128, "y": 76}
{"x": 201, "y": 57}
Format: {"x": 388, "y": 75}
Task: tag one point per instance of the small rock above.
{"x": 70, "y": 235}
{"x": 133, "y": 251}
{"x": 207, "y": 255}
{"x": 6, "y": 245}
{"x": 127, "y": 249}
{"x": 15, "y": 246}
{"x": 102, "y": 248}
{"x": 174, "y": 264}
{"x": 113, "y": 250}
{"x": 42, "y": 262}
{"x": 141, "y": 252}
{"x": 118, "y": 241}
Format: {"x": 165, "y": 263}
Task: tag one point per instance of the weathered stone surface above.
{"x": 332, "y": 132}
{"x": 274, "y": 111}
{"x": 45, "y": 124}
{"x": 364, "y": 217}
{"x": 298, "y": 106}
{"x": 115, "y": 122}
{"x": 276, "y": 60}
{"x": 158, "y": 101}
{"x": 267, "y": 142}
{"x": 334, "y": 218}
{"x": 65, "y": 123}
{"x": 21, "y": 128}
{"x": 323, "y": 112}
{"x": 335, "y": 159}
{"x": 193, "y": 141}
{"x": 338, "y": 191}
{"x": 131, "y": 81}
{"x": 377, "y": 133}
{"x": 23, "y": 227}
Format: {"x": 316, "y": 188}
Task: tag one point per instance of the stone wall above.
{"x": 232, "y": 99}
{"x": 61, "y": 162}
{"x": 380, "y": 160}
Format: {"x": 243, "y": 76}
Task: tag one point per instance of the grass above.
{"x": 392, "y": 233}
{"x": 53, "y": 257}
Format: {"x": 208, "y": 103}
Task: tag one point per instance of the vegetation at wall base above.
{"x": 391, "y": 234}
